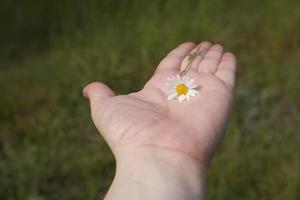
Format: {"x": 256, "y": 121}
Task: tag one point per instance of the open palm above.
{"x": 146, "y": 119}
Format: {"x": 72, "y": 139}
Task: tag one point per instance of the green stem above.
{"x": 191, "y": 58}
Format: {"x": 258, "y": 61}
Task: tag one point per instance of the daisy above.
{"x": 181, "y": 88}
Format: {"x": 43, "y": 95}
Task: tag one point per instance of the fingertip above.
{"x": 87, "y": 89}
{"x": 205, "y": 44}
{"x": 84, "y": 91}
{"x": 187, "y": 44}
{"x": 96, "y": 88}
{"x": 229, "y": 61}
{"x": 229, "y": 56}
{"x": 217, "y": 47}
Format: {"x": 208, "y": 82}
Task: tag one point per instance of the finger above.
{"x": 227, "y": 69}
{"x": 174, "y": 58}
{"x": 97, "y": 93}
{"x": 211, "y": 60}
{"x": 202, "y": 47}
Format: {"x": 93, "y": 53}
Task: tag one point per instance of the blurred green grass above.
{"x": 49, "y": 148}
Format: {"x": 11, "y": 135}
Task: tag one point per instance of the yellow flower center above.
{"x": 181, "y": 89}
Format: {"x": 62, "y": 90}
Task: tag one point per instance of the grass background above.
{"x": 49, "y": 148}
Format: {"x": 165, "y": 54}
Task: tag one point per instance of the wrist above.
{"x": 157, "y": 174}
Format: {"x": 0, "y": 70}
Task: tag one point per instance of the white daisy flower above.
{"x": 181, "y": 88}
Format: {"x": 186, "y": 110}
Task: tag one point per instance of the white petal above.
{"x": 170, "y": 91}
{"x": 181, "y": 98}
{"x": 186, "y": 82}
{"x": 170, "y": 86}
{"x": 172, "y": 96}
{"x": 180, "y": 79}
{"x": 190, "y": 82}
{"x": 188, "y": 97}
{"x": 192, "y": 86}
{"x": 171, "y": 79}
{"x": 193, "y": 92}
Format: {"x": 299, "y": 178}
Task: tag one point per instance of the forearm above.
{"x": 165, "y": 175}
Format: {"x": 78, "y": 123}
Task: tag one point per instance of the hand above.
{"x": 144, "y": 128}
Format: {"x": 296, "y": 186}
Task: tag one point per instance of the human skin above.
{"x": 163, "y": 148}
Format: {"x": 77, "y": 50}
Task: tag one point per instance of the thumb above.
{"x": 97, "y": 93}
